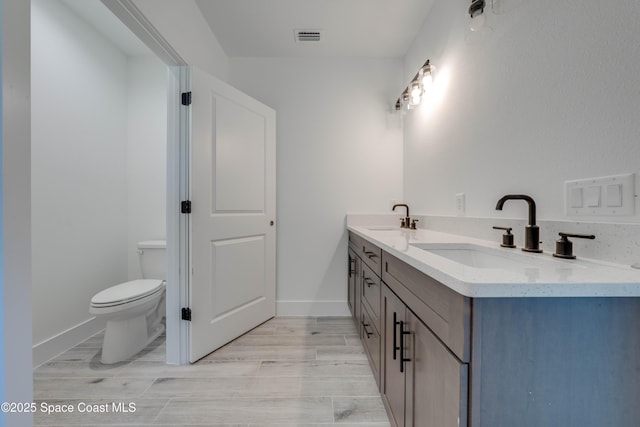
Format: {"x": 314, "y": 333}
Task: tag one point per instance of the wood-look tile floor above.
{"x": 288, "y": 372}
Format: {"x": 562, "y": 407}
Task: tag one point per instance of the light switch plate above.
{"x": 603, "y": 196}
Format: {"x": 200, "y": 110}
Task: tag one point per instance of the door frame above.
{"x": 178, "y": 158}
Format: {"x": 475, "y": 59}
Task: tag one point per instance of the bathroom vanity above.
{"x": 461, "y": 332}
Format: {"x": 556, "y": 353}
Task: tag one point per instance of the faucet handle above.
{"x": 413, "y": 224}
{"x": 403, "y": 223}
{"x": 564, "y": 246}
{"x": 507, "y": 237}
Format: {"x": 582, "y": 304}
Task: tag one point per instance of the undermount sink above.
{"x": 382, "y": 228}
{"x": 476, "y": 256}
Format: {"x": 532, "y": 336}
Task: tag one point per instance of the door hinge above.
{"x": 185, "y": 206}
{"x": 186, "y": 98}
{"x": 186, "y": 314}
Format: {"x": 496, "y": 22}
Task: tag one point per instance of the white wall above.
{"x": 182, "y": 25}
{"x": 15, "y": 269}
{"x": 336, "y": 153}
{"x": 551, "y": 94}
{"x": 146, "y": 155}
{"x": 79, "y": 168}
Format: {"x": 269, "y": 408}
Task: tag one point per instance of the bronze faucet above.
{"x": 404, "y": 222}
{"x": 531, "y": 231}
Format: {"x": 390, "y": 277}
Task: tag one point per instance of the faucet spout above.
{"x": 532, "y": 231}
{"x": 528, "y": 199}
{"x": 407, "y": 219}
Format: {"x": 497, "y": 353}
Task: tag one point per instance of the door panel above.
{"x": 232, "y": 286}
{"x": 437, "y": 382}
{"x": 229, "y": 258}
{"x": 239, "y": 158}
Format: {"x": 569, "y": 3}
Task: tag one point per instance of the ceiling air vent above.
{"x": 307, "y": 35}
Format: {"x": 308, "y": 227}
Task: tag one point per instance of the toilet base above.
{"x": 124, "y": 338}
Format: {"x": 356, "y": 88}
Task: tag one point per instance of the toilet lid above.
{"x": 127, "y": 291}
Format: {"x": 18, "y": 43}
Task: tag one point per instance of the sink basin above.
{"x": 477, "y": 256}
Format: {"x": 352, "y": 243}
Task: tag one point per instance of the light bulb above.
{"x": 416, "y": 93}
{"x": 427, "y": 79}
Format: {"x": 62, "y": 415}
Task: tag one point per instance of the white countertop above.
{"x": 530, "y": 275}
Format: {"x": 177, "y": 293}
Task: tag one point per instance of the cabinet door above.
{"x": 371, "y": 294}
{"x": 371, "y": 340}
{"x": 437, "y": 382}
{"x": 393, "y": 383}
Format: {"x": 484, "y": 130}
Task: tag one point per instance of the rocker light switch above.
{"x": 576, "y": 198}
{"x": 614, "y": 195}
{"x": 592, "y": 194}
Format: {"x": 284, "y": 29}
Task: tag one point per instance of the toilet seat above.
{"x": 127, "y": 292}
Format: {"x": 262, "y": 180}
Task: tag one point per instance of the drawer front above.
{"x": 444, "y": 311}
{"x": 371, "y": 294}
{"x": 371, "y": 340}
{"x": 370, "y": 254}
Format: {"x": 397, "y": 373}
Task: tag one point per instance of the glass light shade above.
{"x": 477, "y": 21}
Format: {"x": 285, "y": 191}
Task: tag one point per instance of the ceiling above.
{"x": 265, "y": 28}
{"x": 361, "y": 28}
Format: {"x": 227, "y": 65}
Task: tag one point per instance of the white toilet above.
{"x": 134, "y": 310}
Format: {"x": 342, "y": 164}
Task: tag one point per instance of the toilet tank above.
{"x": 153, "y": 259}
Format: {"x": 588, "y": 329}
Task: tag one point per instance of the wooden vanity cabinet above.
{"x": 415, "y": 332}
{"x": 499, "y": 361}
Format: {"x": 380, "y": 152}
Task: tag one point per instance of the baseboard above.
{"x": 58, "y": 344}
{"x": 312, "y": 308}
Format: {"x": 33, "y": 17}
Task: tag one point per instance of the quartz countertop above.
{"x": 523, "y": 274}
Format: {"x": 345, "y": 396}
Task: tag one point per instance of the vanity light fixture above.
{"x": 414, "y": 93}
{"x": 476, "y": 11}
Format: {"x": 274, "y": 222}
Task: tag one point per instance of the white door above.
{"x": 233, "y": 195}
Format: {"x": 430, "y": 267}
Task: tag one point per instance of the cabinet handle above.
{"x": 352, "y": 266}
{"x": 370, "y": 254}
{"x": 369, "y": 282}
{"x": 402, "y": 334}
{"x": 395, "y": 335}
{"x": 364, "y": 328}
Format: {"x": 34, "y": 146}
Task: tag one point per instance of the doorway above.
{"x": 99, "y": 150}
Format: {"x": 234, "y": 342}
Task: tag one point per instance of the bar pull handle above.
{"x": 402, "y": 334}
{"x": 395, "y": 335}
{"x": 370, "y": 254}
{"x": 364, "y": 328}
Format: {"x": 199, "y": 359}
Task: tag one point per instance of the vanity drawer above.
{"x": 368, "y": 252}
{"x": 446, "y": 312}
{"x": 371, "y": 340}
{"x": 371, "y": 294}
